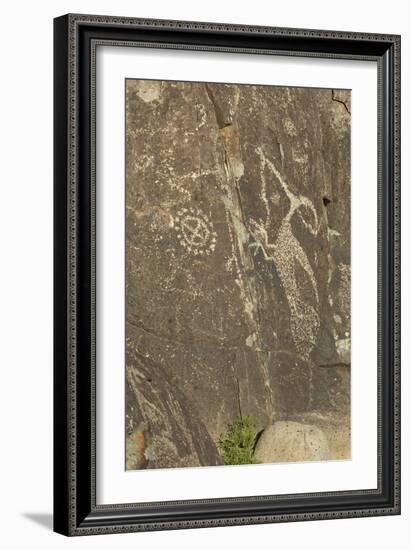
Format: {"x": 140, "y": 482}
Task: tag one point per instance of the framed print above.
{"x": 227, "y": 289}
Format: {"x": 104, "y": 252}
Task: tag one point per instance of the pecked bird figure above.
{"x": 288, "y": 255}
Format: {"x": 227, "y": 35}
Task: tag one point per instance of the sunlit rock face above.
{"x": 237, "y": 266}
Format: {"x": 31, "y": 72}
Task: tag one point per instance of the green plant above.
{"x": 237, "y": 444}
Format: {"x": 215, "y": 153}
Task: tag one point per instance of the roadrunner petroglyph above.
{"x": 286, "y": 252}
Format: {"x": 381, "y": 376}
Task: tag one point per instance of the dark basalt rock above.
{"x": 237, "y": 263}
{"x": 162, "y": 420}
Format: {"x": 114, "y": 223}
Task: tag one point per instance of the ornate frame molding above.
{"x": 76, "y": 40}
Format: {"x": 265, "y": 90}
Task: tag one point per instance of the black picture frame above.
{"x": 75, "y": 509}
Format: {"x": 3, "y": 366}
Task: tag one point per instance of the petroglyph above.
{"x": 286, "y": 252}
{"x": 195, "y": 231}
{"x": 344, "y": 290}
{"x": 290, "y": 128}
{"x": 201, "y": 115}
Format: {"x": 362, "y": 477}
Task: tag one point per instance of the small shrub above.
{"x": 237, "y": 444}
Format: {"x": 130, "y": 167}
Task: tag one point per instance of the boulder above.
{"x": 286, "y": 441}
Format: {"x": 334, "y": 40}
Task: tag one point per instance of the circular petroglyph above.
{"x": 195, "y": 231}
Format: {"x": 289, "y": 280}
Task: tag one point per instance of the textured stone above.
{"x": 237, "y": 262}
{"x": 136, "y": 458}
{"x": 292, "y": 442}
{"x": 171, "y": 434}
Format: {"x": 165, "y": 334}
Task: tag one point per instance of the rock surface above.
{"x": 237, "y": 263}
{"x": 163, "y": 427}
{"x": 292, "y": 442}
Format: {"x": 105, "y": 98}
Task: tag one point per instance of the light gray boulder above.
{"x": 286, "y": 441}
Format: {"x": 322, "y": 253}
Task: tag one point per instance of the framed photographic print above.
{"x": 227, "y": 293}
